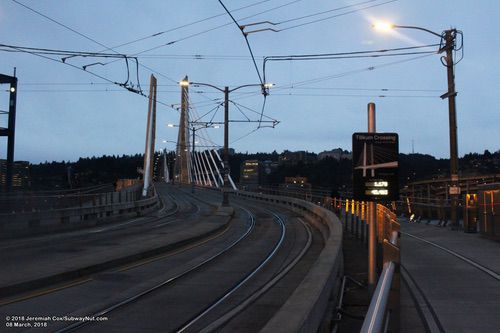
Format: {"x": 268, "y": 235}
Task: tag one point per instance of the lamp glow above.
{"x": 383, "y": 26}
{"x": 184, "y": 83}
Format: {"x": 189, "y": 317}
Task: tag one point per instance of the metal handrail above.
{"x": 376, "y": 316}
{"x": 376, "y": 319}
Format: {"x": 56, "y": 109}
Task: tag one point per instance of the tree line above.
{"x": 325, "y": 173}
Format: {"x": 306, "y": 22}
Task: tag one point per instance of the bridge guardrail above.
{"x": 305, "y": 309}
{"x": 80, "y": 210}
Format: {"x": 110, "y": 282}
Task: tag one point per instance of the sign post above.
{"x": 375, "y": 166}
{"x": 375, "y": 177}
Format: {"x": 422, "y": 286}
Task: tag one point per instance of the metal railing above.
{"x": 383, "y": 311}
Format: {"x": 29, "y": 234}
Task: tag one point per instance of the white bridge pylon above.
{"x": 368, "y": 161}
{"x": 204, "y": 165}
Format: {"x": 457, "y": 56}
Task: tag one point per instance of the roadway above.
{"x": 229, "y": 273}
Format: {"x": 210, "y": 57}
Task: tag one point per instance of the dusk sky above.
{"x": 64, "y": 113}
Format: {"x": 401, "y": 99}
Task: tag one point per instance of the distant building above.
{"x": 250, "y": 173}
{"x": 20, "y": 175}
{"x": 293, "y": 157}
{"x": 298, "y": 187}
{"x": 337, "y": 154}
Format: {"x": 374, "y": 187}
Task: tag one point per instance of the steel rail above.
{"x": 215, "y": 325}
{"x": 129, "y": 300}
{"x": 242, "y": 282}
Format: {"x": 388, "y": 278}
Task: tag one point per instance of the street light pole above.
{"x": 192, "y": 162}
{"x": 449, "y": 37}
{"x": 225, "y": 194}
{"x": 226, "y": 91}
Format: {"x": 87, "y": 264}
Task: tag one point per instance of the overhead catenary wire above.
{"x": 275, "y": 24}
{"x": 31, "y": 84}
{"x": 238, "y": 106}
{"x": 131, "y": 89}
{"x": 60, "y": 24}
{"x": 246, "y": 40}
{"x": 357, "y": 95}
{"x": 323, "y": 12}
{"x": 157, "y": 34}
{"x": 207, "y": 30}
{"x": 380, "y": 53}
{"x": 338, "y": 75}
{"x": 337, "y": 15}
{"x": 138, "y": 92}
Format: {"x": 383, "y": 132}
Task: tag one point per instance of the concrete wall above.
{"x": 90, "y": 210}
{"x": 305, "y": 309}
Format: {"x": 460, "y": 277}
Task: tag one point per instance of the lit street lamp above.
{"x": 449, "y": 37}
{"x": 265, "y": 91}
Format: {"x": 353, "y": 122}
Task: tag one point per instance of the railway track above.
{"x": 153, "y": 279}
{"x": 79, "y": 249}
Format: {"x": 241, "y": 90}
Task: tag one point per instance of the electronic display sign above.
{"x": 375, "y": 166}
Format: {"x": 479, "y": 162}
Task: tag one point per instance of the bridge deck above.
{"x": 454, "y": 277}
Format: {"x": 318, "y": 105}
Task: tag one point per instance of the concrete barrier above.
{"x": 92, "y": 209}
{"x": 305, "y": 309}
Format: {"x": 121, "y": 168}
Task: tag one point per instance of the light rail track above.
{"x": 222, "y": 320}
{"x": 129, "y": 300}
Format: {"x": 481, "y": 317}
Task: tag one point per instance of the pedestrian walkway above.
{"x": 454, "y": 277}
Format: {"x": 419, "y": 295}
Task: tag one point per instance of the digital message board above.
{"x": 375, "y": 166}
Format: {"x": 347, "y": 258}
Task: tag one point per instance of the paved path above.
{"x": 454, "y": 276}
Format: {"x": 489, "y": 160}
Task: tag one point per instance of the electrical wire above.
{"x": 367, "y": 89}
{"x": 246, "y": 135}
{"x": 347, "y": 55}
{"x": 18, "y": 48}
{"x": 98, "y": 43}
{"x": 210, "y": 30}
{"x": 339, "y": 75}
{"x": 59, "y": 23}
{"x": 337, "y": 15}
{"x": 252, "y": 110}
{"x": 185, "y": 25}
{"x": 274, "y": 24}
{"x": 246, "y": 40}
{"x": 356, "y": 95}
{"x": 323, "y": 12}
{"x": 98, "y": 76}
